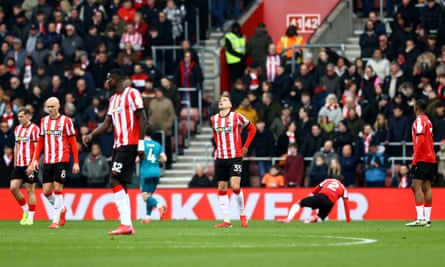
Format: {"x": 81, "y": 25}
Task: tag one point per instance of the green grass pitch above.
{"x": 197, "y": 243}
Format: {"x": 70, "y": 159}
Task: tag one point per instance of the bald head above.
{"x": 52, "y": 105}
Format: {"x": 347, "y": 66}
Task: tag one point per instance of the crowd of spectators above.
{"x": 65, "y": 48}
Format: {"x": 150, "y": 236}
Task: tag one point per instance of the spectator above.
{"x": 116, "y": 25}
{"x": 379, "y": 26}
{"x": 17, "y": 53}
{"x": 131, "y": 36}
{"x": 370, "y": 82}
{"x": 351, "y": 90}
{"x": 70, "y": 42}
{"x": 386, "y": 48}
{"x": 21, "y": 26}
{"x": 281, "y": 84}
{"x": 162, "y": 117}
{"x": 139, "y": 77}
{"x": 92, "y": 39}
{"x": 398, "y": 132}
{"x": 6, "y": 136}
{"x": 392, "y": 81}
{"x": 96, "y": 168}
{"x": 334, "y": 168}
{"x": 379, "y": 64}
{"x": 153, "y": 72}
{"x": 176, "y": 16}
{"x": 290, "y": 39}
{"x": 200, "y": 179}
{"x": 342, "y": 137}
{"x": 330, "y": 81}
{"x": 269, "y": 108}
{"x": 163, "y": 36}
{"x": 408, "y": 10}
{"x": 273, "y": 178}
{"x": 403, "y": 178}
{"x": 354, "y": 122}
{"x": 317, "y": 173}
{"x": 150, "y": 12}
{"x": 327, "y": 152}
{"x": 441, "y": 160}
{"x": 380, "y": 128}
{"x": 171, "y": 92}
{"x": 246, "y": 109}
{"x": 188, "y": 74}
{"x": 40, "y": 55}
{"x": 438, "y": 120}
{"x": 126, "y": 12}
{"x": 341, "y": 66}
{"x": 31, "y": 41}
{"x": 258, "y": 44}
{"x": 235, "y": 51}
{"x": 331, "y": 110}
{"x": 375, "y": 170}
{"x": 253, "y": 78}
{"x": 41, "y": 78}
{"x": 432, "y": 14}
{"x": 294, "y": 171}
{"x": 313, "y": 142}
{"x": 272, "y": 62}
{"x": 348, "y": 163}
{"x": 263, "y": 146}
{"x": 279, "y": 125}
{"x": 411, "y": 54}
{"x": 368, "y": 40}
{"x": 99, "y": 21}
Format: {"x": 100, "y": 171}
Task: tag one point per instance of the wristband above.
{"x": 141, "y": 146}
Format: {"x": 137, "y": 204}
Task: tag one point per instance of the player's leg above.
{"x": 161, "y": 207}
{"x": 222, "y": 174}
{"x": 314, "y": 202}
{"x": 428, "y": 199}
{"x": 294, "y": 209}
{"x": 123, "y": 165}
{"x": 30, "y": 190}
{"x": 416, "y": 186}
{"x": 235, "y": 183}
{"x": 58, "y": 184}
{"x": 14, "y": 187}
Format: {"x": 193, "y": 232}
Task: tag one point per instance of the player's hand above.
{"x": 76, "y": 168}
{"x": 33, "y": 167}
{"x": 245, "y": 150}
{"x": 86, "y": 139}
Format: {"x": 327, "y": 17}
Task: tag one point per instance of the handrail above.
{"x": 202, "y": 51}
{"x": 187, "y": 103}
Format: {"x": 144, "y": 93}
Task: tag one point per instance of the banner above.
{"x": 197, "y": 204}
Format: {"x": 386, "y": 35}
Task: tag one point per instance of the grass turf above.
{"x": 197, "y": 243}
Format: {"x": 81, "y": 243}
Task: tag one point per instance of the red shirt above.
{"x": 122, "y": 110}
{"x": 332, "y": 188}
{"x": 25, "y": 139}
{"x": 55, "y": 134}
{"x": 227, "y": 134}
{"x": 423, "y": 141}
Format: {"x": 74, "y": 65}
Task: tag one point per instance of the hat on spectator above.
{"x": 33, "y": 27}
{"x": 307, "y": 55}
{"x": 17, "y": 41}
{"x": 21, "y": 15}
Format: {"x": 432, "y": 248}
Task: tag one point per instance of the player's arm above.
{"x": 34, "y": 166}
{"x": 73, "y": 143}
{"x": 251, "y": 129}
{"x": 162, "y": 157}
{"x": 142, "y": 128}
{"x": 99, "y": 130}
{"x": 347, "y": 212}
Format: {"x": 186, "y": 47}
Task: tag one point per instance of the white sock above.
{"x": 419, "y": 211}
{"x": 224, "y": 205}
{"x": 293, "y": 210}
{"x": 123, "y": 206}
{"x": 25, "y": 207}
{"x": 159, "y": 205}
{"x": 427, "y": 213}
{"x": 58, "y": 205}
{"x": 240, "y": 200}
{"x": 31, "y": 215}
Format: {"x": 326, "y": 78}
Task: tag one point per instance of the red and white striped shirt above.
{"x": 227, "y": 134}
{"x": 122, "y": 111}
{"x": 56, "y": 133}
{"x": 134, "y": 38}
{"x": 272, "y": 63}
{"x": 25, "y": 139}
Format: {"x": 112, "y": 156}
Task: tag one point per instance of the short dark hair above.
{"x": 117, "y": 73}
{"x": 421, "y": 104}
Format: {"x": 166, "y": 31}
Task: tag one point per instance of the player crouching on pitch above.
{"x": 323, "y": 198}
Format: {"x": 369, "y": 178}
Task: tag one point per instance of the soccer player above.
{"x": 323, "y": 198}
{"x": 126, "y": 114}
{"x": 423, "y": 166}
{"x": 150, "y": 173}
{"x": 226, "y": 126}
{"x": 26, "y": 137}
{"x": 57, "y": 139}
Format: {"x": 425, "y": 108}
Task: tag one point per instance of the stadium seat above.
{"x": 194, "y": 114}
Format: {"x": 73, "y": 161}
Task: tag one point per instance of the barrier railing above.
{"x": 187, "y": 140}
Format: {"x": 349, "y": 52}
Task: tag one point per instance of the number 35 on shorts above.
{"x": 237, "y": 168}
{"x": 117, "y": 167}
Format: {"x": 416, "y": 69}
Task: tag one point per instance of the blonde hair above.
{"x": 334, "y": 170}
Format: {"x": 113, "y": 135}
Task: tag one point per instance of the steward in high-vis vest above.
{"x": 291, "y": 39}
{"x": 235, "y": 52}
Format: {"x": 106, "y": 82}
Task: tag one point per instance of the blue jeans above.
{"x": 218, "y": 12}
{"x": 263, "y": 167}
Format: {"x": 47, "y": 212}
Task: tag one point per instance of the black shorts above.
{"x": 123, "y": 165}
{"x": 20, "y": 173}
{"x": 424, "y": 171}
{"x": 226, "y": 168}
{"x": 320, "y": 202}
{"x": 55, "y": 172}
